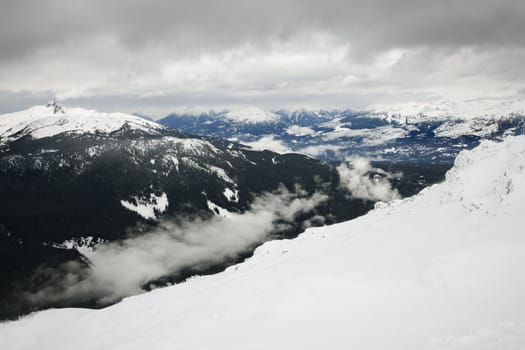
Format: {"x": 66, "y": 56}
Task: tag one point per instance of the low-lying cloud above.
{"x": 123, "y": 268}
{"x": 270, "y": 143}
{"x": 366, "y": 182}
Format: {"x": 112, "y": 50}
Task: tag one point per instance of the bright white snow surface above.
{"x": 41, "y": 121}
{"x": 441, "y": 270}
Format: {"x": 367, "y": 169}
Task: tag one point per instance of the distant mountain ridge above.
{"x": 338, "y": 134}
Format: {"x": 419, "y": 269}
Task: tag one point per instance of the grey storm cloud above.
{"x": 334, "y": 53}
{"x": 192, "y": 26}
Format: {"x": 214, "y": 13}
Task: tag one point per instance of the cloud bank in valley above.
{"x": 123, "y": 268}
{"x": 366, "y": 182}
{"x": 270, "y": 143}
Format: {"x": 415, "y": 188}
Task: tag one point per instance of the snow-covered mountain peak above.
{"x": 57, "y": 107}
{"x": 250, "y": 115}
{"x": 53, "y": 119}
{"x": 442, "y": 109}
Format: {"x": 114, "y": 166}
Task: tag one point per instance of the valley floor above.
{"x": 440, "y": 270}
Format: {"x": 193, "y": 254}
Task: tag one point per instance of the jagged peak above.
{"x": 57, "y": 107}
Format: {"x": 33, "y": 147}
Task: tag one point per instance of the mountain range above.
{"x": 83, "y": 189}
{"x": 335, "y": 135}
{"x": 74, "y": 181}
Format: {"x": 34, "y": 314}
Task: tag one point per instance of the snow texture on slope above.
{"x": 147, "y": 207}
{"x": 441, "y": 270}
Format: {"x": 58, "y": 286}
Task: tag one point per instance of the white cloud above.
{"x": 270, "y": 143}
{"x": 297, "y": 130}
{"x": 319, "y": 150}
{"x": 122, "y": 268}
{"x": 355, "y": 176}
{"x": 264, "y": 54}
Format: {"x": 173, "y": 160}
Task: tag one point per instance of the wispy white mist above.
{"x": 120, "y": 269}
{"x": 355, "y": 177}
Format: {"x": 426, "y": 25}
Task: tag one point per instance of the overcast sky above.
{"x": 156, "y": 56}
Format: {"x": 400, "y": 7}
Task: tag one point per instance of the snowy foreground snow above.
{"x": 441, "y": 270}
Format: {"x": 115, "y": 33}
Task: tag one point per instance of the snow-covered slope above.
{"x": 53, "y": 119}
{"x": 441, "y": 270}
